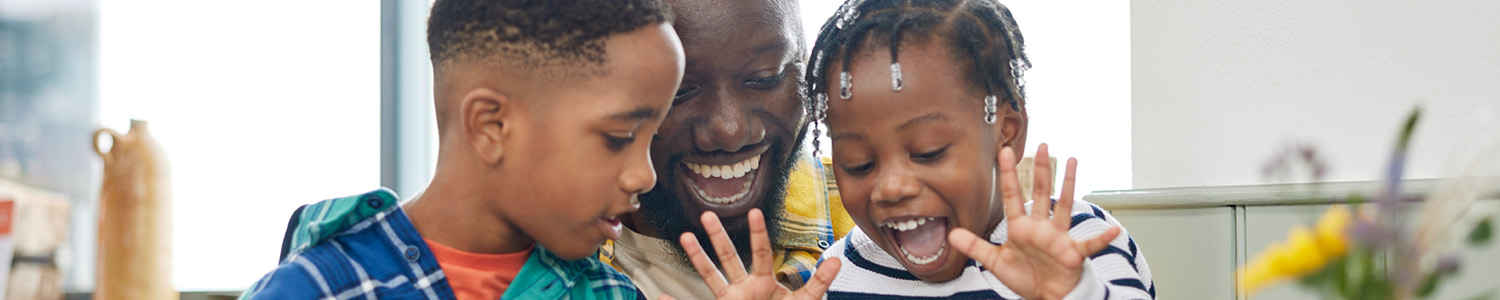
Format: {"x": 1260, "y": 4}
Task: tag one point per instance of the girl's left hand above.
{"x": 1038, "y": 260}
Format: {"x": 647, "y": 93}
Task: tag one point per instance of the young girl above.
{"x": 924, "y": 103}
{"x": 924, "y": 154}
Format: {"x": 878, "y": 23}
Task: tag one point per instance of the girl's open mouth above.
{"x": 921, "y": 240}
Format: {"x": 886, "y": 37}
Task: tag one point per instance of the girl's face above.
{"x": 913, "y": 164}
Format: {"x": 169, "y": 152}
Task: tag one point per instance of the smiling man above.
{"x": 732, "y": 142}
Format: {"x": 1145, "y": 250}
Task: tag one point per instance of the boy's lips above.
{"x": 922, "y": 241}
{"x": 727, "y": 188}
{"x": 610, "y": 226}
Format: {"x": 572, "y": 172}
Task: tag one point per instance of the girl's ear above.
{"x": 1012, "y": 128}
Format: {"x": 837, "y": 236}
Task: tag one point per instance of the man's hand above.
{"x": 1038, "y": 260}
{"x": 760, "y": 282}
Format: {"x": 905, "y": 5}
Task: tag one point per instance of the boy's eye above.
{"x": 683, "y": 93}
{"x": 766, "y": 83}
{"x": 859, "y": 170}
{"x": 616, "y": 143}
{"x": 930, "y": 156}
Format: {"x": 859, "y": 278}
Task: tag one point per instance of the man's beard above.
{"x": 668, "y": 215}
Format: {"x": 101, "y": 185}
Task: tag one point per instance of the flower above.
{"x": 1305, "y": 251}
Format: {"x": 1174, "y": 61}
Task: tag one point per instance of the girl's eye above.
{"x": 615, "y": 143}
{"x": 859, "y": 170}
{"x": 930, "y": 156}
{"x": 766, "y": 83}
{"x": 683, "y": 93}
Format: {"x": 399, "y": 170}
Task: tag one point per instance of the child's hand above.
{"x": 760, "y": 283}
{"x": 1038, "y": 260}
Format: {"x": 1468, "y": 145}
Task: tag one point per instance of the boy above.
{"x": 545, "y": 112}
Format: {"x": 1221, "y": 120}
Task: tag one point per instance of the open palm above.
{"x": 1038, "y": 260}
{"x": 760, "y": 282}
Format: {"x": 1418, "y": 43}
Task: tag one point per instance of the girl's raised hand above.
{"x": 759, "y": 282}
{"x": 1038, "y": 260}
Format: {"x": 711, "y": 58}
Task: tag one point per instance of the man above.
{"x": 732, "y": 142}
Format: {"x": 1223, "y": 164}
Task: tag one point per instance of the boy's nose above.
{"x": 894, "y": 185}
{"x": 639, "y": 176}
{"x": 729, "y": 127}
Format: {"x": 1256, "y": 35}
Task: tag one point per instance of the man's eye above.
{"x": 684, "y": 93}
{"x": 859, "y": 170}
{"x": 930, "y": 156}
{"x": 618, "y": 143}
{"x": 766, "y": 83}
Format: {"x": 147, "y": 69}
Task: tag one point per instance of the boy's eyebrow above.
{"x": 924, "y": 119}
{"x": 639, "y": 113}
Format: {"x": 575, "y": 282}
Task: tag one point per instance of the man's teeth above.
{"x": 905, "y": 225}
{"x": 733, "y": 171}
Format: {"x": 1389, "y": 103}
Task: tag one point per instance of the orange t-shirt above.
{"x": 478, "y": 275}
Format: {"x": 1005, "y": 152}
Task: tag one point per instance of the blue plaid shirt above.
{"x": 364, "y": 247}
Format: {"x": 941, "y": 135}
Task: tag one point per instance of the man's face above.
{"x": 736, "y": 121}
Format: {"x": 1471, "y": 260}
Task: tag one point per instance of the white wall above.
{"x": 1220, "y": 85}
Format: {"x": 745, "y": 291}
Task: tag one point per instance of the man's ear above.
{"x": 485, "y": 114}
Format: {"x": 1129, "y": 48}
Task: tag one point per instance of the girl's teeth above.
{"x": 905, "y": 225}
{"x": 922, "y": 260}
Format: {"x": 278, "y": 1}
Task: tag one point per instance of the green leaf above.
{"x": 1429, "y": 284}
{"x": 1411, "y": 125}
{"x": 1482, "y": 232}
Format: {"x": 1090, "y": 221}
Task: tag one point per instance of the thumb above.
{"x": 980, "y": 250}
{"x": 817, "y": 286}
{"x": 1098, "y": 243}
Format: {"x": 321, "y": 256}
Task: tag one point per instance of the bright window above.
{"x": 262, "y": 106}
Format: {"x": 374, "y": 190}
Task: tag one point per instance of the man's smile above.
{"x": 725, "y": 184}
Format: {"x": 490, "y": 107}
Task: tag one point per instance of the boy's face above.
{"x": 583, "y": 151}
{"x": 737, "y": 109}
{"x": 914, "y": 164}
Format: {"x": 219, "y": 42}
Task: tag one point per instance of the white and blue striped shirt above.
{"x": 1117, "y": 272}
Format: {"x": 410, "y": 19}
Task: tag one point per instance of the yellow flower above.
{"x": 1304, "y": 251}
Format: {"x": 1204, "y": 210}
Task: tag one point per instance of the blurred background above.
{"x": 263, "y": 106}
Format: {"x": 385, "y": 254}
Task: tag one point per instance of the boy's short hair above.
{"x": 549, "y": 38}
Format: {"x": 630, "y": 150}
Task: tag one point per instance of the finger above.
{"x": 976, "y": 248}
{"x": 1010, "y": 187}
{"x": 666, "y": 297}
{"x": 818, "y": 285}
{"x": 703, "y": 265}
{"x": 729, "y": 259}
{"x": 1041, "y": 182}
{"x": 760, "y": 244}
{"x": 1062, "y": 212}
{"x": 1098, "y": 243}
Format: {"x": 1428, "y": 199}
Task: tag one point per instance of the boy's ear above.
{"x": 485, "y": 114}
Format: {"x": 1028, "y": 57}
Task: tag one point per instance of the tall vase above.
{"x": 135, "y": 218}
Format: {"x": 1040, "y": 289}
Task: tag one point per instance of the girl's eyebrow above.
{"x": 913, "y": 123}
{"x": 923, "y": 119}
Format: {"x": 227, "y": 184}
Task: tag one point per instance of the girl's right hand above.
{"x": 760, "y": 282}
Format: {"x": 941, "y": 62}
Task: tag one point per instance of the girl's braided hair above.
{"x": 981, "y": 30}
